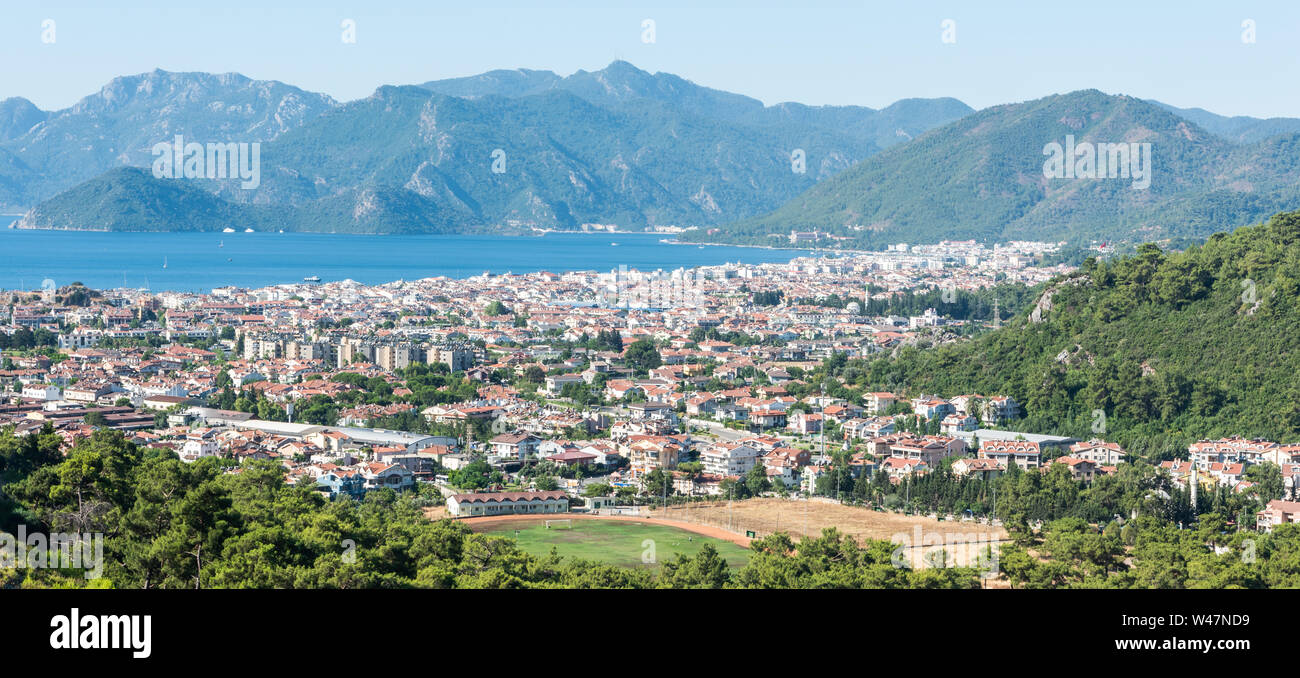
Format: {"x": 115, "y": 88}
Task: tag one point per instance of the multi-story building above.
{"x": 729, "y": 459}
{"x": 1026, "y": 454}
{"x": 1231, "y": 450}
{"x": 1276, "y": 513}
{"x": 1098, "y": 451}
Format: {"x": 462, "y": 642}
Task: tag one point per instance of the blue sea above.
{"x": 198, "y": 262}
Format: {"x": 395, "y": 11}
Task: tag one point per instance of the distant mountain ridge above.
{"x": 619, "y": 146}
{"x": 623, "y": 84}
{"x": 624, "y": 146}
{"x": 1238, "y": 128}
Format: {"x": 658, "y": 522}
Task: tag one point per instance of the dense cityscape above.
{"x": 418, "y": 314}
{"x": 570, "y": 391}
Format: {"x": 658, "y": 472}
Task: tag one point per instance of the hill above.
{"x": 130, "y": 199}
{"x": 1171, "y": 347}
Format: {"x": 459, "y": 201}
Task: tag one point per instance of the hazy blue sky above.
{"x": 868, "y": 53}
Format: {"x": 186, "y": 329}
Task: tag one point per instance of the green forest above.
{"x": 168, "y": 524}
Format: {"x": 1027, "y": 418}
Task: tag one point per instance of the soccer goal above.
{"x": 565, "y": 523}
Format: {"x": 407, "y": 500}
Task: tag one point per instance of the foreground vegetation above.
{"x": 168, "y": 524}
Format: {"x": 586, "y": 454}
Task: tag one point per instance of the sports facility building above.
{"x": 503, "y": 503}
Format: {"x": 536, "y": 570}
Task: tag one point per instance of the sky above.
{"x": 1189, "y": 54}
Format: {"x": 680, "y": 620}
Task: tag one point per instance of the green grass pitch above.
{"x": 614, "y": 542}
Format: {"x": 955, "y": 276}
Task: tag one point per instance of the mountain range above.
{"x": 983, "y": 177}
{"x": 520, "y": 149}
{"x": 43, "y": 153}
{"x": 615, "y": 146}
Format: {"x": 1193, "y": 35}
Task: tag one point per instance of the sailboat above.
{"x": 164, "y": 263}
{"x": 221, "y": 243}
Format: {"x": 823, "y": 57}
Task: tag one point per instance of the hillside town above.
{"x": 545, "y": 392}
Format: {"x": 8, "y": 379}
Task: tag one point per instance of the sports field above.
{"x": 619, "y": 543}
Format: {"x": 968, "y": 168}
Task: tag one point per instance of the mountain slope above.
{"x": 617, "y": 145}
{"x": 567, "y": 162}
{"x": 982, "y": 177}
{"x": 17, "y": 116}
{"x": 1170, "y": 347}
{"x": 131, "y": 199}
{"x": 119, "y": 125}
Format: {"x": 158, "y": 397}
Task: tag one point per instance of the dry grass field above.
{"x": 962, "y": 540}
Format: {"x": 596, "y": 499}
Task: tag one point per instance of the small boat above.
{"x": 311, "y": 278}
{"x": 227, "y": 230}
{"x": 613, "y": 244}
{"x": 248, "y": 230}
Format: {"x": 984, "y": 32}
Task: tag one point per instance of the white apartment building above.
{"x": 729, "y": 459}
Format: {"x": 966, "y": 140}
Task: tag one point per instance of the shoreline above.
{"x": 352, "y": 259}
{"x": 502, "y": 234}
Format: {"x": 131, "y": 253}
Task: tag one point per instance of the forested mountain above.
{"x": 1157, "y": 349}
{"x": 130, "y": 199}
{"x": 983, "y": 177}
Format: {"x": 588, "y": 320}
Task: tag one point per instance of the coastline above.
{"x": 665, "y": 238}
{"x": 204, "y": 260}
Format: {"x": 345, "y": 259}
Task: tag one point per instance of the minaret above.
{"x": 1194, "y": 483}
{"x": 997, "y": 318}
